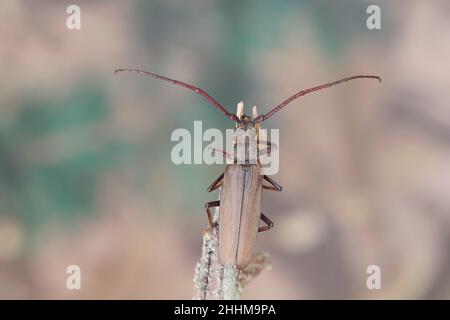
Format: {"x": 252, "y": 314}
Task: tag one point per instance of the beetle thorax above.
{"x": 246, "y": 145}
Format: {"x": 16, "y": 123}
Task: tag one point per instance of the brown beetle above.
{"x": 242, "y": 183}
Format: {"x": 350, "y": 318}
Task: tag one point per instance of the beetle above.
{"x": 242, "y": 182}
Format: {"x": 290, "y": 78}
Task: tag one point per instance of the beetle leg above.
{"x": 270, "y": 188}
{"x": 270, "y": 147}
{"x": 216, "y": 183}
{"x": 208, "y": 206}
{"x": 275, "y": 186}
{"x": 224, "y": 154}
{"x": 269, "y": 223}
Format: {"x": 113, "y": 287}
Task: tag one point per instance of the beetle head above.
{"x": 245, "y": 121}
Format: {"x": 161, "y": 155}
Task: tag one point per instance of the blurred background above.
{"x": 85, "y": 170}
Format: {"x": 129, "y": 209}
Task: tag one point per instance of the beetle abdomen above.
{"x": 240, "y": 210}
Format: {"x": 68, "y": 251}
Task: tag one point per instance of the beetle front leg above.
{"x": 208, "y": 206}
{"x": 268, "y": 222}
{"x": 216, "y": 183}
{"x": 275, "y": 186}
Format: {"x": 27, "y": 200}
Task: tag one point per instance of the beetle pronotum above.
{"x": 242, "y": 183}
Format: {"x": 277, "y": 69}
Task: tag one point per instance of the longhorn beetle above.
{"x": 242, "y": 183}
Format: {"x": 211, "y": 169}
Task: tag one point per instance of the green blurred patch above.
{"x": 54, "y": 152}
{"x": 45, "y": 116}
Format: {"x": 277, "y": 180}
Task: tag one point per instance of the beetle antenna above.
{"x": 266, "y": 116}
{"x": 228, "y": 114}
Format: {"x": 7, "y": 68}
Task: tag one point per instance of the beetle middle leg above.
{"x": 216, "y": 183}
{"x": 274, "y": 186}
{"x": 208, "y": 206}
{"x": 268, "y": 222}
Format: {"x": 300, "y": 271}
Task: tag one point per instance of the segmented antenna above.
{"x": 228, "y": 114}
{"x": 266, "y": 116}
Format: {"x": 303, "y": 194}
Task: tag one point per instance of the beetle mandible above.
{"x": 242, "y": 183}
